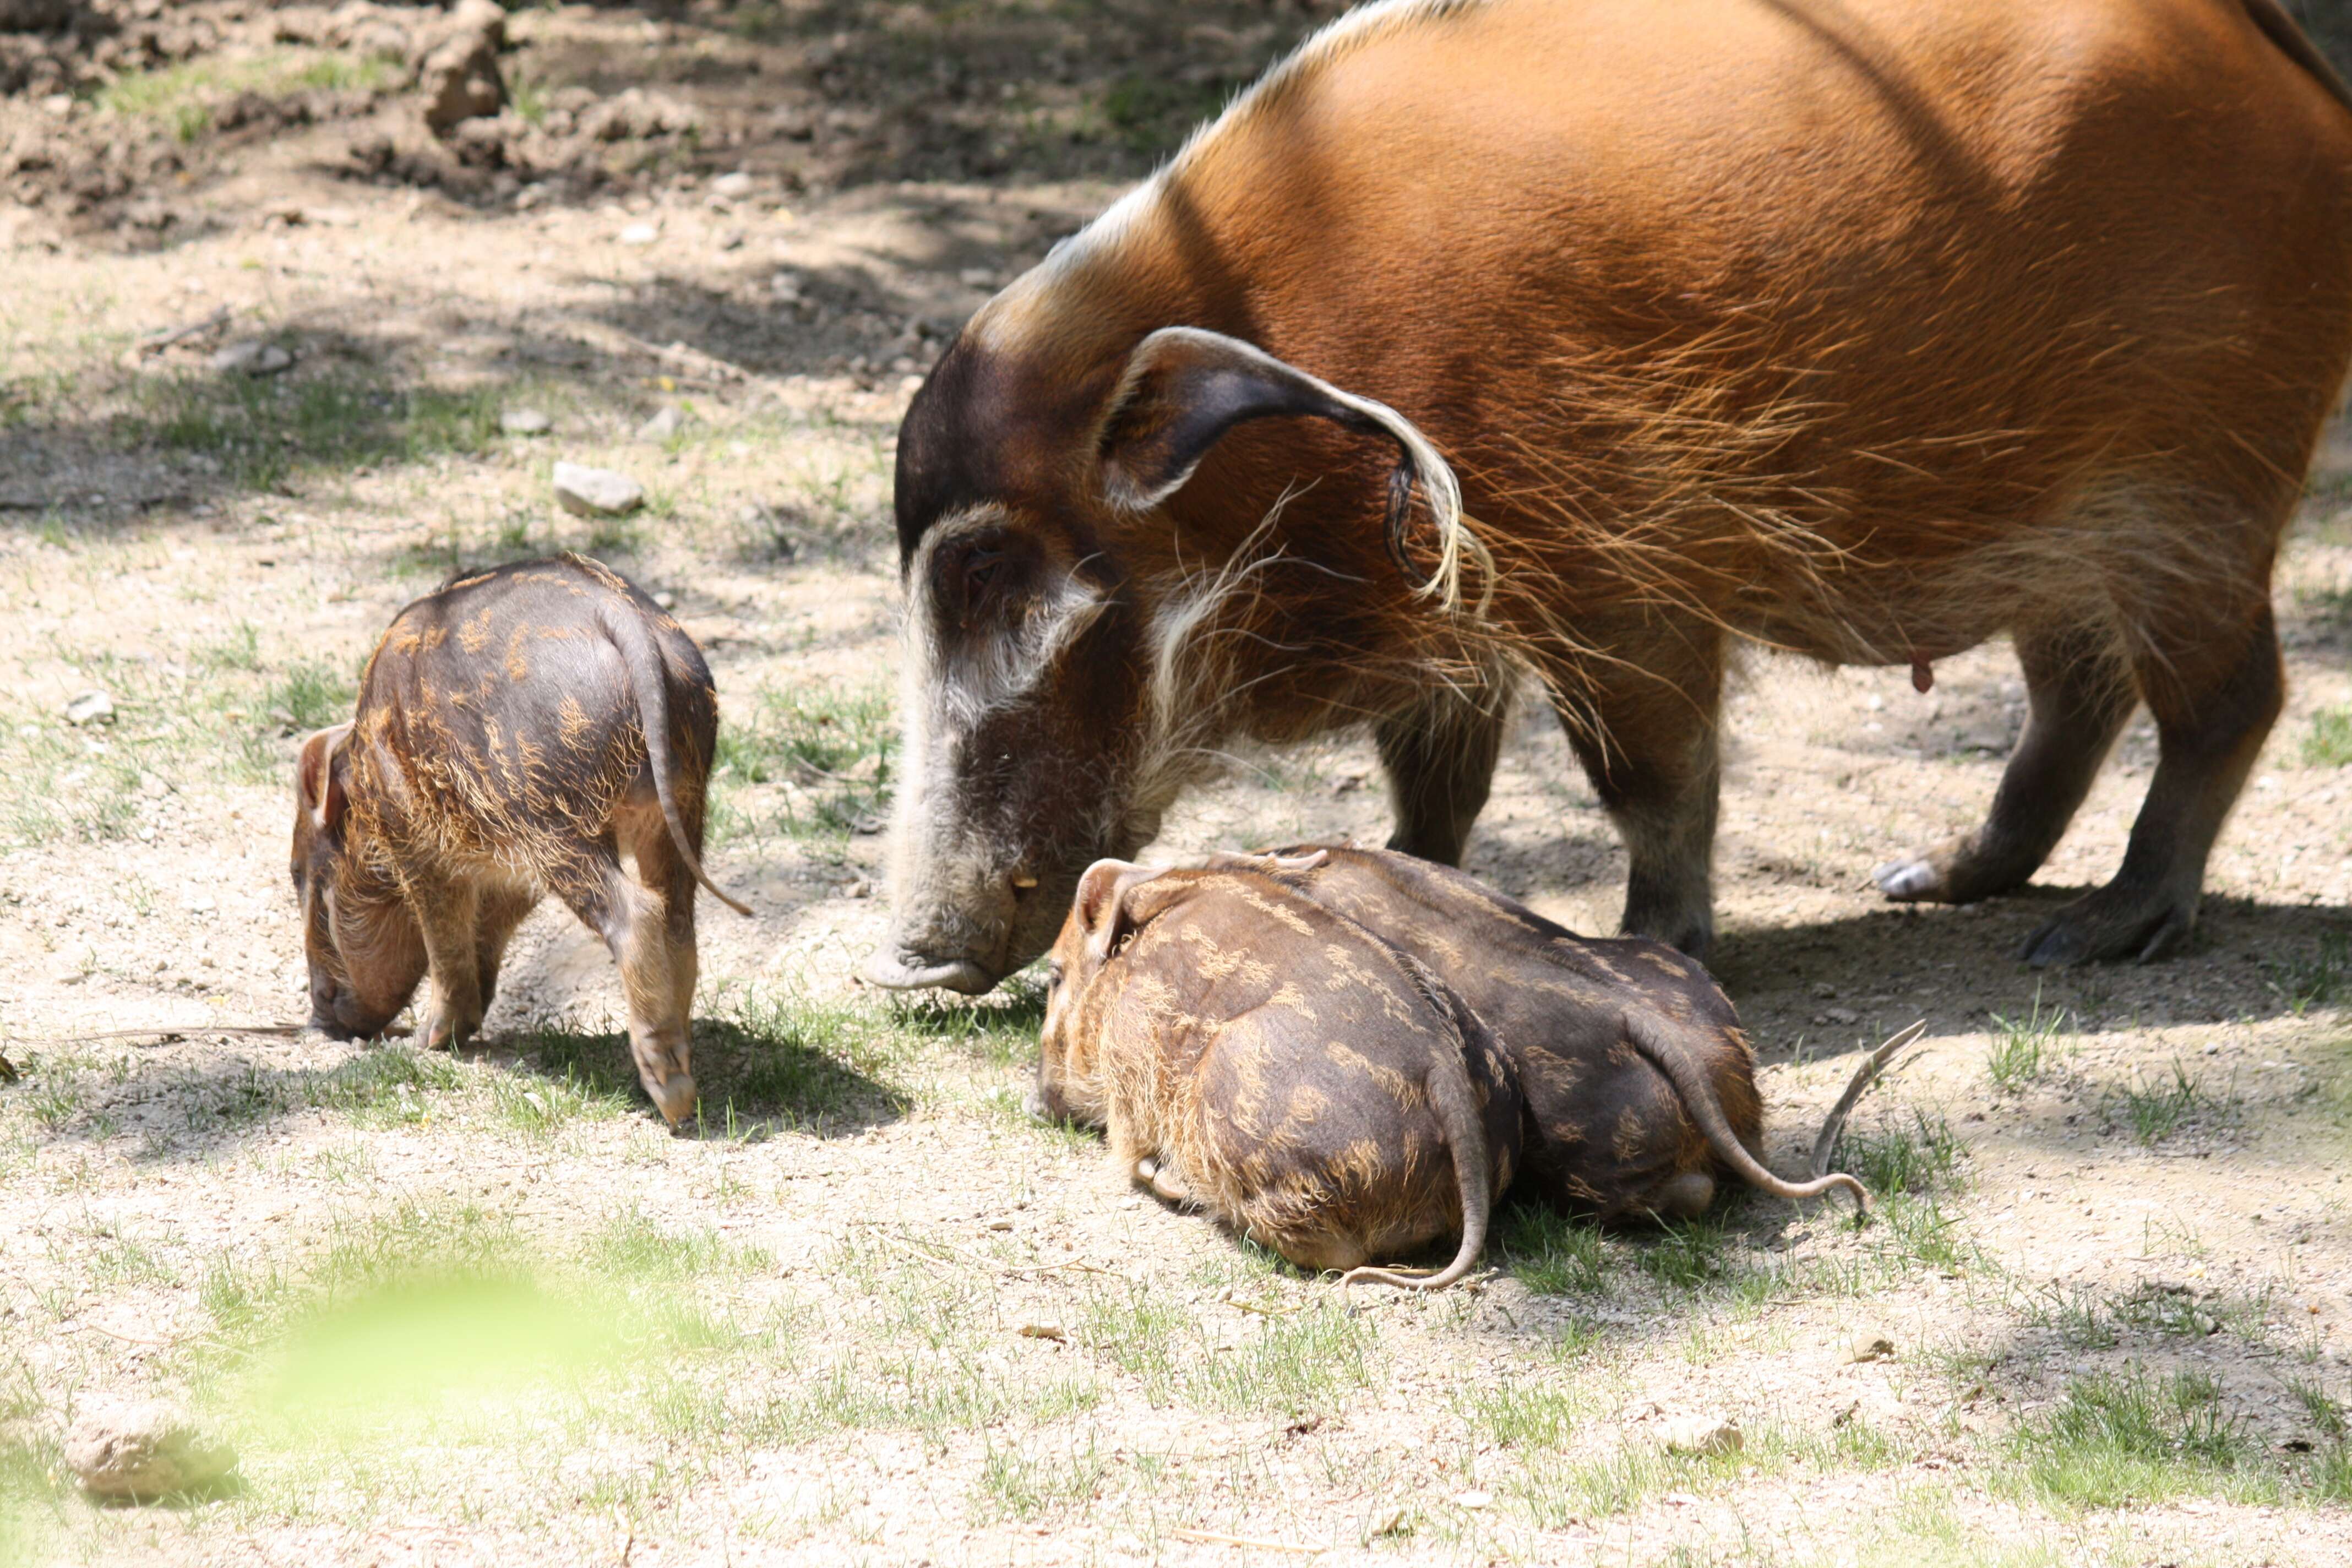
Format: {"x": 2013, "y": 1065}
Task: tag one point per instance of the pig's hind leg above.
{"x": 648, "y": 922}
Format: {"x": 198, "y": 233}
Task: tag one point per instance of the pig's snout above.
{"x": 897, "y": 970}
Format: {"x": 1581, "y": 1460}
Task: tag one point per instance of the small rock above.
{"x": 252, "y": 356}
{"x": 91, "y": 707}
{"x": 1869, "y": 1345}
{"x": 976, "y": 278}
{"x": 1390, "y": 1521}
{"x": 142, "y": 1449}
{"x": 1473, "y": 1500}
{"x": 734, "y": 186}
{"x": 1704, "y": 1435}
{"x": 732, "y": 240}
{"x": 525, "y": 421}
{"x": 596, "y": 492}
{"x": 640, "y": 234}
{"x": 1042, "y": 1330}
{"x": 666, "y": 422}
{"x": 1841, "y": 1015}
{"x": 666, "y": 600}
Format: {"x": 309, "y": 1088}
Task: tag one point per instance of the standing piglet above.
{"x": 518, "y": 733}
{"x": 1251, "y": 1052}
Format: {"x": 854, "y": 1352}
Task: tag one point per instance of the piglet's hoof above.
{"x": 674, "y": 1099}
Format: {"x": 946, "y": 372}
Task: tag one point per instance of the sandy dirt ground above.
{"x": 487, "y": 1310}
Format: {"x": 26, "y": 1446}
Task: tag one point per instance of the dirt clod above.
{"x": 1706, "y": 1436}
{"x": 143, "y": 1450}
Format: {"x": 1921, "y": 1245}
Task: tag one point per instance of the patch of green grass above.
{"x": 184, "y": 96}
{"x": 1140, "y": 1333}
{"x": 543, "y": 1104}
{"x": 827, "y": 753}
{"x": 384, "y": 1086}
{"x": 2155, "y": 1109}
{"x": 1551, "y": 1254}
{"x": 1016, "y": 1485}
{"x": 2326, "y": 1412}
{"x": 1522, "y": 1413}
{"x": 312, "y": 694}
{"x": 261, "y": 431}
{"x": 2077, "y": 1316}
{"x": 1922, "y": 1233}
{"x": 2328, "y": 743}
{"x": 2169, "y": 1310}
{"x": 2025, "y": 1050}
{"x": 1002, "y": 1027}
{"x": 114, "y": 1261}
{"x": 1295, "y": 1366}
{"x": 1687, "y": 1255}
{"x": 773, "y": 1057}
{"x": 1893, "y": 1158}
{"x": 2133, "y": 1438}
{"x": 633, "y": 1247}
{"x": 2313, "y": 979}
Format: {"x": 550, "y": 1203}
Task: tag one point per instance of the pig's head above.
{"x": 1114, "y": 900}
{"x": 366, "y": 952}
{"x": 1073, "y": 661}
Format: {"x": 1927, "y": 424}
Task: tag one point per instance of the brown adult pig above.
{"x": 1603, "y": 340}
{"x": 517, "y": 731}
{"x": 1249, "y": 1051}
{"x": 1639, "y": 1086}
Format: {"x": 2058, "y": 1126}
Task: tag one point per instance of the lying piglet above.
{"x": 1639, "y": 1086}
{"x": 1251, "y": 1052}
{"x": 518, "y": 733}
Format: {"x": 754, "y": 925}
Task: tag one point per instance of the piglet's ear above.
{"x": 1116, "y": 899}
{"x": 1183, "y": 388}
{"x": 319, "y": 777}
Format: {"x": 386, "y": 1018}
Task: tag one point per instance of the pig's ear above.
{"x": 1183, "y": 388}
{"x": 1115, "y": 899}
{"x": 319, "y": 782}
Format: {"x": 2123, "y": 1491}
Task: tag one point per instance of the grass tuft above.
{"x": 2119, "y": 1440}
{"x": 1551, "y": 1254}
{"x": 2025, "y": 1050}
{"x": 2328, "y": 743}
{"x": 825, "y": 757}
{"x": 1893, "y": 1158}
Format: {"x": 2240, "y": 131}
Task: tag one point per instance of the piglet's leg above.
{"x": 593, "y": 887}
{"x": 449, "y": 910}
{"x": 653, "y": 944}
{"x": 501, "y": 912}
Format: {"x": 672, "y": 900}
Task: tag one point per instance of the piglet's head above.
{"x": 365, "y": 950}
{"x": 1113, "y": 900}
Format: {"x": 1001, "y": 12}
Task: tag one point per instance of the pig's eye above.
{"x": 1054, "y": 975}
{"x": 980, "y": 569}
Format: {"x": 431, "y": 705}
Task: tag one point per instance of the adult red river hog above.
{"x": 1591, "y": 341}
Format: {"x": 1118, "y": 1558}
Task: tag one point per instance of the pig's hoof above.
{"x": 2110, "y": 925}
{"x": 674, "y": 1099}
{"x": 1917, "y": 879}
